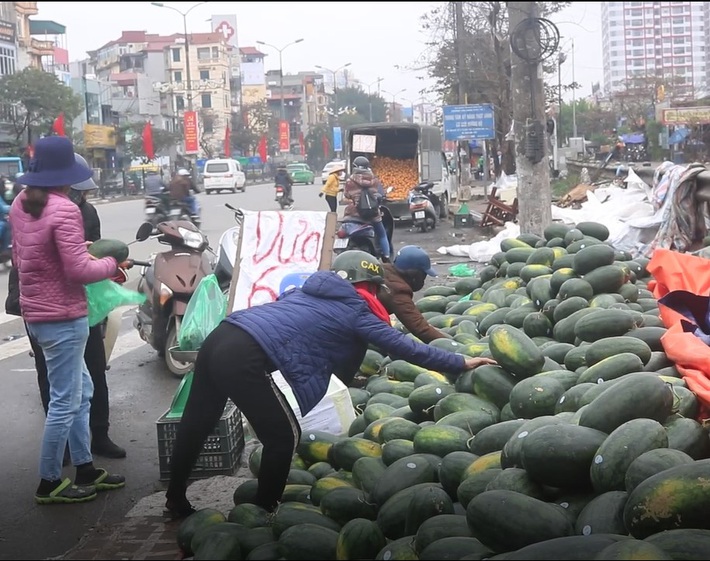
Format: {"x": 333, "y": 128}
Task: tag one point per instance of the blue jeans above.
{"x": 191, "y": 202}
{"x": 381, "y": 235}
{"x": 70, "y": 392}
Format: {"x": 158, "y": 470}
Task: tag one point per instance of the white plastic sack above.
{"x": 481, "y": 252}
{"x": 334, "y": 413}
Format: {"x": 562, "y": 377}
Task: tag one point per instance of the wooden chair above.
{"x": 497, "y": 212}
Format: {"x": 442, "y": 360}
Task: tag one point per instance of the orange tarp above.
{"x": 679, "y": 271}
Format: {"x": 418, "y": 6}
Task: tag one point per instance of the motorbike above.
{"x": 356, "y": 233}
{"x": 168, "y": 282}
{"x": 227, "y": 251}
{"x": 281, "y": 198}
{"x": 112, "y": 325}
{"x": 159, "y": 208}
{"x": 425, "y": 206}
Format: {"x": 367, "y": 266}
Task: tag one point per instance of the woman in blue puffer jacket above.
{"x": 308, "y": 334}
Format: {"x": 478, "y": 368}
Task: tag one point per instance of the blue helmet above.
{"x": 413, "y": 258}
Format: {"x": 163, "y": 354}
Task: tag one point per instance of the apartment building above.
{"x": 151, "y": 79}
{"x": 663, "y": 40}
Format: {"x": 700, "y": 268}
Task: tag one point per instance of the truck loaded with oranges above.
{"x": 402, "y": 155}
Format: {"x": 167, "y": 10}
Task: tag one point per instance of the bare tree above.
{"x": 487, "y": 60}
{"x": 208, "y": 141}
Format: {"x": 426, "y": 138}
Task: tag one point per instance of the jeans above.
{"x": 95, "y": 359}
{"x": 70, "y": 392}
{"x": 191, "y": 202}
{"x": 381, "y": 234}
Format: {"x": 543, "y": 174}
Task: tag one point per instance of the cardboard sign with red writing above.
{"x": 278, "y": 250}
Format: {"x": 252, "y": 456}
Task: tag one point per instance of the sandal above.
{"x": 105, "y": 481}
{"x": 66, "y": 493}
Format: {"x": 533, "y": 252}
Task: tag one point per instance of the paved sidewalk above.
{"x": 146, "y": 537}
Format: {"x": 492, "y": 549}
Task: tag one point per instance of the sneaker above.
{"x": 104, "y": 481}
{"x": 66, "y": 493}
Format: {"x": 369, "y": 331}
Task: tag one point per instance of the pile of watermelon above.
{"x": 582, "y": 443}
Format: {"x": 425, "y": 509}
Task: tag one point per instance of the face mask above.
{"x": 76, "y": 196}
{"x": 415, "y": 279}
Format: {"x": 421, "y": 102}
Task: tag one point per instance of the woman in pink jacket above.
{"x": 51, "y": 257}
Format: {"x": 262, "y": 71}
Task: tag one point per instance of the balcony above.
{"x": 26, "y": 8}
{"x": 41, "y": 48}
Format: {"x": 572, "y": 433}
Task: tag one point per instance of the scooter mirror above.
{"x": 144, "y": 232}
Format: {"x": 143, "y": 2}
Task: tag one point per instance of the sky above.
{"x": 388, "y": 43}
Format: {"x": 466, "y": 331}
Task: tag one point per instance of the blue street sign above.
{"x": 255, "y": 160}
{"x": 469, "y": 122}
{"x": 337, "y": 139}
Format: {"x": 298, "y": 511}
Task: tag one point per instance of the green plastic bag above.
{"x": 462, "y": 270}
{"x": 205, "y": 310}
{"x": 105, "y": 296}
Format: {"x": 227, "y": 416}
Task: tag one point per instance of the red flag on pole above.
{"x": 148, "y": 149}
{"x": 326, "y": 146}
{"x": 227, "y": 142}
{"x": 302, "y": 143}
{"x": 58, "y": 125}
{"x": 262, "y": 149}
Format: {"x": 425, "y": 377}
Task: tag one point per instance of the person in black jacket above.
{"x": 94, "y": 354}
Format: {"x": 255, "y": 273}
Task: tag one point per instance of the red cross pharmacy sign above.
{"x": 226, "y": 30}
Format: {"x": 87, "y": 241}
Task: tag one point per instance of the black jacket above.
{"x": 92, "y": 232}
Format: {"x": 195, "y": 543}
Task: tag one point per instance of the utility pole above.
{"x": 533, "y": 171}
{"x": 560, "y": 61}
{"x": 463, "y": 156}
{"x": 574, "y": 98}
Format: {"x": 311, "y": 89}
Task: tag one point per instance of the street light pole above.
{"x": 336, "y": 113}
{"x": 281, "y": 70}
{"x": 369, "y": 93}
{"x": 394, "y": 96}
{"x": 188, "y": 83}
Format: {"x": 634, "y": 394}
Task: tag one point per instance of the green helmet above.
{"x": 358, "y": 266}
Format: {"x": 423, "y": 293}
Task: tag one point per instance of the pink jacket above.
{"x": 52, "y": 260}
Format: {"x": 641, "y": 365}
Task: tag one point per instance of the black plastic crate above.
{"x": 221, "y": 452}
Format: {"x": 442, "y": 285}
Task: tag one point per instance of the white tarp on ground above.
{"x": 628, "y": 213}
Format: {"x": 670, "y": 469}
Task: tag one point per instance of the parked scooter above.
{"x": 424, "y": 206}
{"x": 355, "y": 233}
{"x": 227, "y": 251}
{"x": 168, "y": 283}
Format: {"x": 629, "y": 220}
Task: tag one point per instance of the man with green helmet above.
{"x": 308, "y": 334}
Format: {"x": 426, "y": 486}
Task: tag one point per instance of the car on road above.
{"x": 224, "y": 174}
{"x": 301, "y": 173}
{"x": 329, "y": 167}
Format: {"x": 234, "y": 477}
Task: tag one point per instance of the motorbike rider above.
{"x": 181, "y": 189}
{"x": 94, "y": 354}
{"x": 362, "y": 178}
{"x": 154, "y": 184}
{"x": 284, "y": 179}
{"x": 403, "y": 277}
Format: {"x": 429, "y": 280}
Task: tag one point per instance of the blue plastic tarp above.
{"x": 679, "y": 135}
